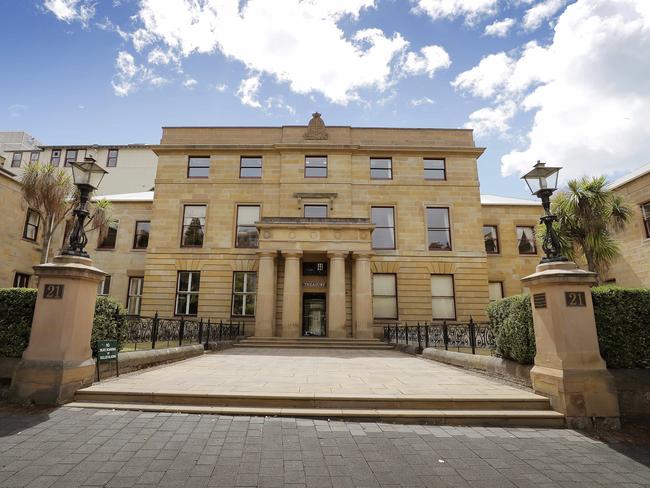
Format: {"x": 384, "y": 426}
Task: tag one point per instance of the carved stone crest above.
{"x": 316, "y": 129}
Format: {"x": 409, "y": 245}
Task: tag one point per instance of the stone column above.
{"x": 58, "y": 360}
{"x": 362, "y": 304}
{"x": 291, "y": 294}
{"x": 265, "y": 306}
{"x": 336, "y": 295}
{"x": 568, "y": 366}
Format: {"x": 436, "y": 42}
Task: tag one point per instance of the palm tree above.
{"x": 589, "y": 214}
{"x": 51, "y": 192}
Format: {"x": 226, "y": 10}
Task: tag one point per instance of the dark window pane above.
{"x": 383, "y": 238}
{"x": 316, "y": 211}
{"x": 196, "y": 281}
{"x": 490, "y": 238}
{"x": 645, "y": 209}
{"x": 16, "y": 159}
{"x": 439, "y": 240}
{"x": 194, "y": 304}
{"x": 181, "y": 304}
{"x": 526, "y": 240}
{"x": 141, "y": 235}
{"x": 238, "y": 305}
{"x": 109, "y": 239}
{"x": 183, "y": 281}
{"x": 250, "y": 304}
{"x": 55, "y": 158}
{"x": 239, "y": 282}
{"x": 251, "y": 282}
{"x": 247, "y": 236}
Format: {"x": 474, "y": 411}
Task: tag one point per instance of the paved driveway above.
{"x": 310, "y": 371}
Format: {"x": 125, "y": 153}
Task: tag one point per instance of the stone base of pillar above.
{"x": 337, "y": 333}
{"x": 50, "y": 382}
{"x": 588, "y": 398}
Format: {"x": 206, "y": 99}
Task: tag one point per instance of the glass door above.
{"x": 313, "y": 318}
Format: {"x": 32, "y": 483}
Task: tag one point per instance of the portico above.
{"x": 314, "y": 278}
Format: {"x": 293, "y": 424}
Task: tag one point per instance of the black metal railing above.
{"x": 470, "y": 337}
{"x": 137, "y": 332}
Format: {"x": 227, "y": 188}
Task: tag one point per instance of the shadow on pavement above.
{"x": 16, "y": 418}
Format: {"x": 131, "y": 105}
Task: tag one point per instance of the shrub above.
{"x": 16, "y": 311}
{"x": 105, "y": 324}
{"x": 511, "y": 320}
{"x": 623, "y": 323}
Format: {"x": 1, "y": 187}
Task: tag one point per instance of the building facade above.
{"x": 314, "y": 230}
{"x": 17, "y": 148}
{"x": 632, "y": 268}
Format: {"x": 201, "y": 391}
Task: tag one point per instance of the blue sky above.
{"x": 564, "y": 81}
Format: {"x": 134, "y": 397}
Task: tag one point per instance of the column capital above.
{"x": 267, "y": 254}
{"x": 291, "y": 253}
{"x": 361, "y": 255}
{"x": 337, "y": 254}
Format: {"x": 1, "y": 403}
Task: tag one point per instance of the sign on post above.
{"x": 53, "y": 291}
{"x": 107, "y": 351}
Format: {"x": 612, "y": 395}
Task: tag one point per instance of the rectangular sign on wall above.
{"x": 539, "y": 300}
{"x": 53, "y": 291}
{"x": 575, "y": 298}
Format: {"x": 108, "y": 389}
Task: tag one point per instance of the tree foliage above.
{"x": 589, "y": 214}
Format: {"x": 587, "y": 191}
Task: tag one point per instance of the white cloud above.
{"x": 248, "y": 91}
{"x": 471, "y": 10}
{"x": 537, "y": 14}
{"x": 431, "y": 59}
{"x": 490, "y": 120}
{"x": 158, "y": 56}
{"x": 416, "y": 102}
{"x": 129, "y": 75}
{"x": 484, "y": 79}
{"x": 588, "y": 90}
{"x": 297, "y": 42}
{"x": 71, "y": 10}
{"x": 499, "y": 28}
{"x": 190, "y": 83}
{"x": 221, "y": 87}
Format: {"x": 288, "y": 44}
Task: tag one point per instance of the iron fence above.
{"x": 137, "y": 332}
{"x": 462, "y": 337}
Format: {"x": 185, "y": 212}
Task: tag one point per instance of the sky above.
{"x": 561, "y": 81}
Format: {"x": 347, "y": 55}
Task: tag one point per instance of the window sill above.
{"x": 30, "y": 241}
{"x": 139, "y": 249}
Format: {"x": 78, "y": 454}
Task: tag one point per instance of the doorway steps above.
{"x": 313, "y": 343}
{"x": 525, "y": 410}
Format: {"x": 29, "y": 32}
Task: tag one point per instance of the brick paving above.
{"x": 70, "y": 447}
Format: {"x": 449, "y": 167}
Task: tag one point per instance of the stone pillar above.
{"x": 362, "y": 305}
{"x": 291, "y": 294}
{"x": 58, "y": 360}
{"x": 336, "y": 295}
{"x": 265, "y": 306}
{"x": 568, "y": 366}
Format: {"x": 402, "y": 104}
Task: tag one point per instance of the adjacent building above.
{"x": 17, "y": 148}
{"x": 632, "y": 268}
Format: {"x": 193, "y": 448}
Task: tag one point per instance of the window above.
{"x": 250, "y": 167}
{"x": 247, "y": 233}
{"x": 244, "y": 286}
{"x": 21, "y": 280}
{"x": 314, "y": 269}
{"x": 108, "y": 238}
{"x": 442, "y": 297}
{"x": 434, "y": 169}
{"x": 381, "y": 168}
{"x": 496, "y": 290}
{"x": 55, "y": 157}
{"x": 384, "y": 296}
{"x": 104, "y": 287}
{"x": 134, "y": 298}
{"x": 33, "y": 156}
{"x": 315, "y": 166}
{"x": 198, "y": 167}
{"x": 187, "y": 293}
{"x": 645, "y": 211}
{"x": 70, "y": 157}
{"x": 316, "y": 211}
{"x": 30, "y": 230}
{"x": 193, "y": 226}
{"x": 141, "y": 236}
{"x": 438, "y": 229}
{"x": 111, "y": 159}
{"x": 491, "y": 239}
{"x": 383, "y": 237}
{"x": 526, "y": 240}
{"x": 16, "y": 159}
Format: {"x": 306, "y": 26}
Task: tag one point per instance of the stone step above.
{"x": 299, "y": 345}
{"x": 497, "y": 418}
{"x": 314, "y": 342}
{"x": 327, "y": 401}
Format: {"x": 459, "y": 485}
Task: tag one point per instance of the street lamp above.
{"x": 542, "y": 181}
{"x": 87, "y": 176}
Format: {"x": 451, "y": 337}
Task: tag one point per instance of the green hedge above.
{"x": 622, "y": 320}
{"x": 511, "y": 320}
{"x": 623, "y": 323}
{"x": 17, "y": 311}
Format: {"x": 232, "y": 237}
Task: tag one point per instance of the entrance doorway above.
{"x": 313, "y": 314}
